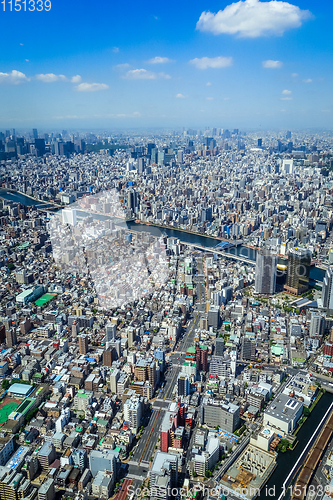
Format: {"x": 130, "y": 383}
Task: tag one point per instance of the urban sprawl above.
{"x": 171, "y": 335}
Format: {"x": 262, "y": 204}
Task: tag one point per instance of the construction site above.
{"x": 250, "y": 471}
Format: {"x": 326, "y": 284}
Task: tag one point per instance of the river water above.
{"x": 185, "y": 237}
{"x": 287, "y": 460}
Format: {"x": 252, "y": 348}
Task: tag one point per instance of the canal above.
{"x": 185, "y": 237}
{"x": 287, "y": 460}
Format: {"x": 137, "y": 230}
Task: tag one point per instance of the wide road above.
{"x": 151, "y": 433}
{"x": 138, "y": 453}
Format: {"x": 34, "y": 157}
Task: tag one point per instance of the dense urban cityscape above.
{"x": 166, "y": 314}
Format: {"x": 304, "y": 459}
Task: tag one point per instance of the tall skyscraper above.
{"x": 326, "y": 294}
{"x": 111, "y": 332}
{"x": 299, "y": 262}
{"x": 83, "y": 344}
{"x": 219, "y": 347}
{"x": 316, "y": 325}
{"x": 35, "y": 133}
{"x": 69, "y": 216}
{"x": 248, "y": 351}
{"x": 11, "y": 339}
{"x": 265, "y": 273}
{"x": 183, "y": 384}
{"x": 131, "y": 336}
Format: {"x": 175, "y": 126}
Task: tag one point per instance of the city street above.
{"x": 146, "y": 446}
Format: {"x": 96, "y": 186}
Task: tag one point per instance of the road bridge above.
{"x": 224, "y": 253}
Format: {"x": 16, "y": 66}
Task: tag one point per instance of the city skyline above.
{"x": 246, "y": 64}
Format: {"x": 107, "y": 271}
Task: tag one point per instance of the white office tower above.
{"x": 265, "y": 272}
{"x": 111, "y": 332}
{"x": 62, "y": 420}
{"x": 133, "y": 412}
{"x": 317, "y": 325}
{"x": 326, "y": 294}
{"x": 69, "y": 216}
{"x": 287, "y": 166}
{"x": 233, "y": 362}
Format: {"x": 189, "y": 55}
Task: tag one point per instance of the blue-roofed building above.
{"x": 20, "y": 390}
{"x": 18, "y": 458}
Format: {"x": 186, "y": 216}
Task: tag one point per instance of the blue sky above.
{"x": 145, "y": 64}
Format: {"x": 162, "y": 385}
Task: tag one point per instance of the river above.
{"x": 287, "y": 460}
{"x": 316, "y": 274}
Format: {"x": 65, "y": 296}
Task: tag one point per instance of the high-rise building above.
{"x": 163, "y": 463}
{"x": 219, "y": 347}
{"x": 111, "y": 332}
{"x": 248, "y": 352}
{"x": 69, "y": 217}
{"x": 201, "y": 357}
{"x": 11, "y": 339}
{"x": 265, "y": 273}
{"x": 316, "y": 325}
{"x": 220, "y": 413}
{"x": 47, "y": 491}
{"x": 259, "y": 143}
{"x": 46, "y": 455}
{"x": 299, "y": 262}
{"x": 104, "y": 460}
{"x": 287, "y": 166}
{"x": 133, "y": 408}
{"x": 131, "y": 336}
{"x": 35, "y": 133}
{"x": 183, "y": 385}
{"x": 83, "y": 344}
{"x": 114, "y": 377}
{"x": 107, "y": 357}
{"x": 326, "y": 294}
{"x": 159, "y": 356}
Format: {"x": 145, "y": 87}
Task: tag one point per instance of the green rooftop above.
{"x": 47, "y": 297}
{"x": 277, "y": 350}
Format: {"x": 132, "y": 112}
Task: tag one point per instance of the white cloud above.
{"x": 307, "y": 80}
{"x": 76, "y": 79}
{"x": 68, "y": 117}
{"x": 294, "y": 75}
{"x": 121, "y": 66}
{"x": 272, "y": 64}
{"x": 208, "y": 84}
{"x": 212, "y": 62}
{"x": 164, "y": 76}
{"x": 115, "y": 50}
{"x": 159, "y": 60}
{"x": 51, "y": 77}
{"x": 14, "y": 77}
{"x": 286, "y": 92}
{"x": 26, "y": 60}
{"x": 252, "y": 18}
{"x": 91, "y": 87}
{"x": 286, "y": 98}
{"x": 180, "y": 96}
{"x": 143, "y": 74}
{"x": 209, "y": 98}
{"x": 136, "y": 114}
